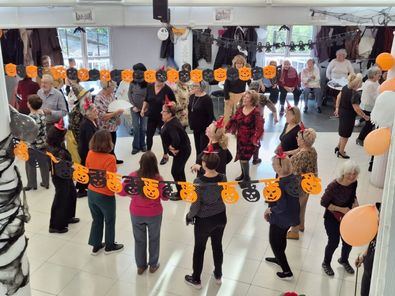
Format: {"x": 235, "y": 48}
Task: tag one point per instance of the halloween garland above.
{"x": 149, "y": 76}
{"x": 151, "y": 188}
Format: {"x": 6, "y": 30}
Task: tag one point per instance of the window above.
{"x": 304, "y": 34}
{"x": 90, "y": 49}
{"x": 275, "y": 36}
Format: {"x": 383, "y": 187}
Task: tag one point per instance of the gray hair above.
{"x": 47, "y": 77}
{"x": 203, "y": 85}
{"x": 341, "y": 51}
{"x": 372, "y": 71}
{"x": 348, "y": 167}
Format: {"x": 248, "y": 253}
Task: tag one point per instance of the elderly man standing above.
{"x": 54, "y": 104}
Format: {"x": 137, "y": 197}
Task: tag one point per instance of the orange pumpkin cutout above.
{"x": 52, "y": 157}
{"x": 150, "y": 76}
{"x": 151, "y": 188}
{"x": 21, "y": 151}
{"x": 245, "y": 74}
{"x": 311, "y": 184}
{"x": 172, "y": 76}
{"x": 83, "y": 74}
{"x": 272, "y": 191}
{"x": 58, "y": 72}
{"x": 105, "y": 75}
{"x": 80, "y": 174}
{"x": 127, "y": 75}
{"x": 196, "y": 75}
{"x": 229, "y": 192}
{"x": 188, "y": 192}
{"x": 220, "y": 74}
{"x": 31, "y": 71}
{"x": 10, "y": 70}
{"x": 269, "y": 72}
{"x": 114, "y": 182}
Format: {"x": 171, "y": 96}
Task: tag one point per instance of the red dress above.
{"x": 248, "y": 130}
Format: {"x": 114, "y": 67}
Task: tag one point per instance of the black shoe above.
{"x": 96, "y": 250}
{"x": 74, "y": 220}
{"x": 164, "y": 160}
{"x": 272, "y": 260}
{"x": 113, "y": 249}
{"x": 218, "y": 279}
{"x": 135, "y": 151}
{"x": 319, "y": 110}
{"x": 82, "y": 193}
{"x": 359, "y": 142}
{"x": 119, "y": 161}
{"x": 305, "y": 110}
{"x": 344, "y": 156}
{"x": 285, "y": 275}
{"x": 239, "y": 178}
{"x": 144, "y": 149}
{"x": 336, "y": 150}
{"x": 190, "y": 281}
{"x": 327, "y": 269}
{"x": 256, "y": 161}
{"x": 346, "y": 266}
{"x": 54, "y": 230}
{"x": 45, "y": 186}
{"x": 29, "y": 188}
{"x": 154, "y": 268}
{"x": 281, "y": 110}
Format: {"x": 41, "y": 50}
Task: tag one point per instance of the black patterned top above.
{"x": 41, "y": 122}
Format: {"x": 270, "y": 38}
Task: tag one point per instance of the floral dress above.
{"x": 248, "y": 129}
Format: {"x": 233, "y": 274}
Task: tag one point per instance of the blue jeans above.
{"x": 139, "y": 131}
{"x": 140, "y": 226}
{"x": 317, "y": 96}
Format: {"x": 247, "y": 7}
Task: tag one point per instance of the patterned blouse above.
{"x": 305, "y": 161}
{"x": 41, "y": 122}
{"x": 102, "y": 101}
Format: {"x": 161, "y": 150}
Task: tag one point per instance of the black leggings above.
{"x": 178, "y": 166}
{"x": 332, "y": 227}
{"x": 211, "y": 227}
{"x": 201, "y": 141}
{"x": 367, "y": 128}
{"x": 152, "y": 125}
{"x": 278, "y": 242}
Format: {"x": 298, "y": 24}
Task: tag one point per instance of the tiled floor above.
{"x": 62, "y": 264}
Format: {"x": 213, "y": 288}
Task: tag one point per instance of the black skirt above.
{"x": 346, "y": 123}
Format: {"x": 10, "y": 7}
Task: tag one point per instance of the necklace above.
{"x": 194, "y": 102}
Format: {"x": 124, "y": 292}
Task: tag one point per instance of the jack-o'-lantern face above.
{"x": 232, "y": 74}
{"x": 161, "y": 75}
{"x": 127, "y": 75}
{"x": 31, "y": 71}
{"x": 105, "y": 75}
{"x": 80, "y": 174}
{"x": 172, "y": 76}
{"x": 250, "y": 193}
{"x": 97, "y": 178}
{"x": 151, "y": 188}
{"x": 58, "y": 72}
{"x": 114, "y": 182}
{"x": 10, "y": 70}
{"x": 272, "y": 192}
{"x": 220, "y": 74}
{"x": 116, "y": 75}
{"x": 208, "y": 75}
{"x": 184, "y": 76}
{"x": 138, "y": 76}
{"x": 21, "y": 71}
{"x": 269, "y": 72}
{"x": 21, "y": 151}
{"x": 63, "y": 169}
{"x": 72, "y": 73}
{"x": 245, "y": 74}
{"x": 311, "y": 184}
{"x": 83, "y": 74}
{"x": 196, "y": 75}
{"x": 94, "y": 74}
{"x": 150, "y": 76}
{"x": 257, "y": 73}
{"x": 229, "y": 192}
{"x": 188, "y": 192}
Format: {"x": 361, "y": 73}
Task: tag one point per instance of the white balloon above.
{"x": 383, "y": 112}
{"x": 163, "y": 34}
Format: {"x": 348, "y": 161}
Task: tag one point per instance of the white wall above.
{"x": 131, "y": 45}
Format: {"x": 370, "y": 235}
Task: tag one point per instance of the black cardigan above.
{"x": 174, "y": 134}
{"x": 200, "y": 112}
{"x": 87, "y": 130}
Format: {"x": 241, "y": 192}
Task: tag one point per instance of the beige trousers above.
{"x": 230, "y": 106}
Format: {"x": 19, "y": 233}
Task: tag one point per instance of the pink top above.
{"x": 143, "y": 206}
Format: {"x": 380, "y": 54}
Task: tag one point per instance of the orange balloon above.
{"x": 385, "y": 61}
{"x": 360, "y": 225}
{"x": 387, "y": 85}
{"x": 377, "y": 142}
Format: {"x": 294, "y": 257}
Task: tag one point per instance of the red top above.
{"x": 101, "y": 161}
{"x": 289, "y": 78}
{"x": 143, "y": 206}
{"x": 26, "y": 87}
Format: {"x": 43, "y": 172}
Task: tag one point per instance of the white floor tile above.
{"x": 86, "y": 284}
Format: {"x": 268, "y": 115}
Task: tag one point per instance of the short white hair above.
{"x": 341, "y": 51}
{"x": 348, "y": 167}
{"x": 47, "y": 77}
{"x": 372, "y": 71}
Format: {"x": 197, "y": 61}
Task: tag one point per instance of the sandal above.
{"x": 327, "y": 269}
{"x": 346, "y": 266}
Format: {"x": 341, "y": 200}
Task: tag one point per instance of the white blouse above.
{"x": 370, "y": 91}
